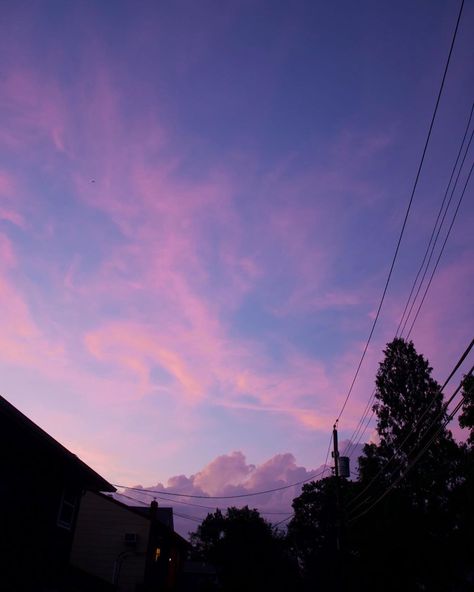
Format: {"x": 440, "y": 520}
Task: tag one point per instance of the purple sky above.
{"x": 199, "y": 202}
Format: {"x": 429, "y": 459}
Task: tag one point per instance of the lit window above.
{"x": 66, "y": 509}
{"x": 157, "y": 553}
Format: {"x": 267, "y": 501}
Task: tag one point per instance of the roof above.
{"x": 163, "y": 515}
{"x": 25, "y": 428}
{"x": 144, "y": 512}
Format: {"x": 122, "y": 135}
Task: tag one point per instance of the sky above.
{"x": 199, "y": 204}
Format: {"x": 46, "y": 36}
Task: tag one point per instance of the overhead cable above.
{"x": 413, "y": 462}
{"x": 416, "y": 426}
{"x": 351, "y": 446}
{"x": 440, "y": 253}
{"x": 434, "y": 421}
{"x": 420, "y": 166}
{"x": 431, "y": 245}
{"x": 237, "y": 496}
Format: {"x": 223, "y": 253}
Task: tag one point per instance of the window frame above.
{"x": 68, "y": 505}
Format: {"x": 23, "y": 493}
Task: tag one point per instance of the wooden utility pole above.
{"x": 338, "y": 493}
{"x": 339, "y": 576}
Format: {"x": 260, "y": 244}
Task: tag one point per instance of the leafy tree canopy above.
{"x": 466, "y": 419}
{"x": 410, "y": 411}
{"x": 249, "y": 553}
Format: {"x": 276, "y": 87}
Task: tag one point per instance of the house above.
{"x": 131, "y": 548}
{"x": 41, "y": 487}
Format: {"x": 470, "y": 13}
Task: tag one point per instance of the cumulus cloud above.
{"x": 145, "y": 287}
{"x": 231, "y": 475}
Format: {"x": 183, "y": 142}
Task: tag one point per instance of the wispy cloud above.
{"x": 192, "y": 258}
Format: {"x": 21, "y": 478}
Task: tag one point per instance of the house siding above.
{"x": 99, "y": 541}
{"x": 34, "y": 549}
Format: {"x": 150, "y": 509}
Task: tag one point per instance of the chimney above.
{"x": 153, "y": 509}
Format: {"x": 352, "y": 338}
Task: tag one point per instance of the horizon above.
{"x": 198, "y": 212}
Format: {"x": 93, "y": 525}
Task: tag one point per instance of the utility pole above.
{"x": 339, "y": 579}
{"x": 335, "y": 455}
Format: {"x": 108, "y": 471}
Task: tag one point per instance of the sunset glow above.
{"x": 199, "y": 203}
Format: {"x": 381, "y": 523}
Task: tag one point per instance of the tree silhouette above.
{"x": 409, "y": 410}
{"x": 316, "y": 535}
{"x": 405, "y": 524}
{"x": 466, "y": 419}
{"x": 462, "y": 495}
{"x": 416, "y": 463}
{"x": 403, "y": 517}
{"x": 248, "y": 552}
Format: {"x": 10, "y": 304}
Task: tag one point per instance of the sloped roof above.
{"x": 163, "y": 515}
{"x": 144, "y": 512}
{"x": 25, "y": 429}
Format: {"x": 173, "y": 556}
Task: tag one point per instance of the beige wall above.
{"x": 99, "y": 540}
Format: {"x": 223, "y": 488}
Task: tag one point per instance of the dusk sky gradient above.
{"x": 199, "y": 203}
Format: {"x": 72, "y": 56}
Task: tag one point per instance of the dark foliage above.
{"x": 248, "y": 552}
{"x": 466, "y": 419}
{"x": 406, "y": 524}
{"x": 316, "y": 534}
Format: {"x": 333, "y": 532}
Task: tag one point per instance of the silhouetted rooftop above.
{"x": 28, "y": 433}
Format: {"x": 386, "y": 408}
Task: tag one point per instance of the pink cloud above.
{"x": 171, "y": 228}
{"x": 37, "y": 110}
{"x": 223, "y": 471}
{"x": 135, "y": 350}
{"x": 231, "y": 474}
{"x": 212, "y": 361}
{"x": 20, "y": 338}
{"x": 11, "y": 216}
{"x": 166, "y": 224}
{"x": 9, "y": 200}
{"x": 438, "y": 334}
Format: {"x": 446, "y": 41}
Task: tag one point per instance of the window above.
{"x": 67, "y": 509}
{"x": 131, "y": 539}
{"x": 157, "y": 553}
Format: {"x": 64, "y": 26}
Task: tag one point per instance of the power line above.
{"x": 404, "y": 320}
{"x": 438, "y": 417}
{"x": 458, "y": 364}
{"x": 441, "y": 252}
{"x": 351, "y": 446}
{"x": 186, "y": 517}
{"x": 357, "y": 429}
{"x": 327, "y": 457}
{"x": 406, "y": 214}
{"x": 173, "y": 501}
{"x": 443, "y": 410}
{"x": 401, "y": 476}
{"x": 167, "y": 499}
{"x": 322, "y": 476}
{"x": 437, "y": 235}
{"x": 198, "y": 519}
{"x": 415, "y": 460}
{"x": 241, "y": 495}
{"x": 133, "y": 499}
{"x": 417, "y": 425}
{"x": 429, "y": 249}
{"x": 284, "y": 520}
{"x": 354, "y": 448}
